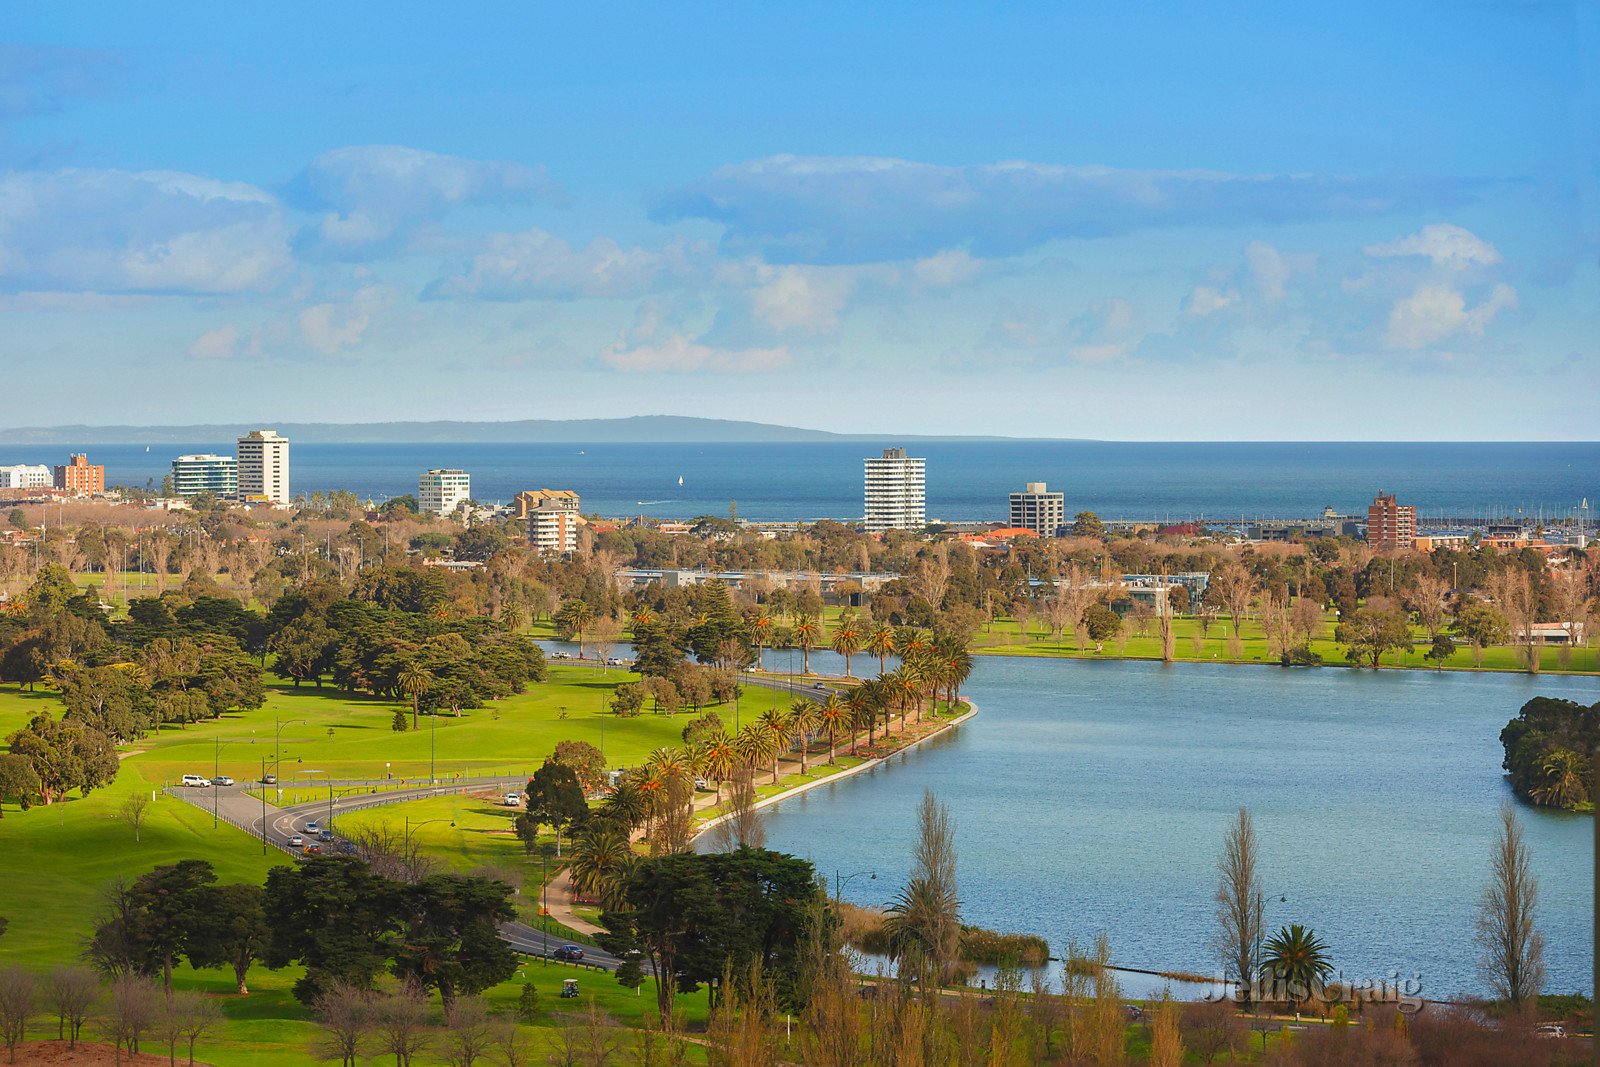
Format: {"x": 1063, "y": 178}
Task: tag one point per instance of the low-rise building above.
{"x": 205, "y": 472}
{"x": 1434, "y": 542}
{"x": 25, "y": 476}
{"x": 80, "y": 477}
{"x": 442, "y": 490}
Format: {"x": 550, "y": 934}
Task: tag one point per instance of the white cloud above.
{"x": 945, "y": 269}
{"x": 330, "y": 328}
{"x": 1271, "y": 269}
{"x": 534, "y": 264}
{"x": 798, "y": 209}
{"x": 799, "y": 298}
{"x": 216, "y": 344}
{"x": 1205, "y": 300}
{"x": 1434, "y": 312}
{"x": 147, "y": 232}
{"x": 1448, "y": 246}
{"x": 371, "y": 194}
{"x": 681, "y": 353}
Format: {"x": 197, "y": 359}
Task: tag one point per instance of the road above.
{"x": 235, "y": 807}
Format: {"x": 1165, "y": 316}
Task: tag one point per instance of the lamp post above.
{"x": 263, "y": 786}
{"x": 840, "y": 883}
{"x": 277, "y": 732}
{"x": 216, "y": 771}
{"x": 1261, "y": 913}
{"x": 432, "y": 719}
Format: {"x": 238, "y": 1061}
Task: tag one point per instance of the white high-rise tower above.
{"x": 264, "y": 466}
{"x": 896, "y": 492}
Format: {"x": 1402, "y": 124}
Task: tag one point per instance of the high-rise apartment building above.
{"x": 553, "y": 519}
{"x": 1391, "y": 525}
{"x": 80, "y": 477}
{"x": 24, "y": 476}
{"x": 205, "y": 473}
{"x": 1037, "y": 509}
{"x": 896, "y": 494}
{"x": 443, "y": 490}
{"x": 264, "y": 466}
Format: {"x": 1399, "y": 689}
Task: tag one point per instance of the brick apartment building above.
{"x": 80, "y": 477}
{"x": 1391, "y": 525}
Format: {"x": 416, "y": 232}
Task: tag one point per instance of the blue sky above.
{"x": 1139, "y": 221}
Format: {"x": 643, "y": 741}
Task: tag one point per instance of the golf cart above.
{"x": 569, "y": 988}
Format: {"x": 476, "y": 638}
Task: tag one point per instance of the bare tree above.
{"x": 132, "y": 811}
{"x": 1513, "y": 949}
{"x": 1276, "y": 621}
{"x": 1211, "y": 1028}
{"x": 1166, "y": 1037}
{"x": 467, "y": 1032}
{"x": 603, "y": 633}
{"x": 925, "y": 921}
{"x": 201, "y": 1016}
{"x": 1513, "y": 594}
{"x": 400, "y": 1020}
{"x": 1569, "y": 602}
{"x": 16, "y": 1007}
{"x": 1239, "y": 903}
{"x": 1305, "y": 618}
{"x": 72, "y": 992}
{"x": 131, "y": 1010}
{"x": 510, "y": 1041}
{"x": 742, "y": 825}
{"x": 389, "y": 852}
{"x": 1428, "y": 597}
{"x": 1236, "y": 589}
{"x": 344, "y": 1012}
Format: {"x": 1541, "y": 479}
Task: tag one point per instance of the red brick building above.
{"x": 80, "y": 477}
{"x": 1391, "y": 525}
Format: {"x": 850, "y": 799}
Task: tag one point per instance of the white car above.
{"x": 295, "y": 840}
{"x": 1550, "y": 1030}
{"x": 222, "y": 779}
{"x": 195, "y": 781}
{"x": 513, "y": 800}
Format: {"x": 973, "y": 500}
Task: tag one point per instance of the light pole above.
{"x": 432, "y": 720}
{"x": 840, "y": 883}
{"x": 1261, "y": 915}
{"x": 216, "y": 771}
{"x": 277, "y": 732}
{"x": 262, "y": 785}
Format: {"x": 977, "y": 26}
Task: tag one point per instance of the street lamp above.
{"x": 277, "y": 732}
{"x": 840, "y": 883}
{"x": 216, "y": 772}
{"x": 1261, "y": 913}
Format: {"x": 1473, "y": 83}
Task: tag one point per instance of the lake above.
{"x": 1094, "y": 796}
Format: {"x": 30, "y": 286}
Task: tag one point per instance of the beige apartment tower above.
{"x": 264, "y": 467}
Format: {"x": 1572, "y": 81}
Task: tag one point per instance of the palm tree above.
{"x": 1564, "y": 774}
{"x": 756, "y": 744}
{"x": 834, "y": 716}
{"x": 718, "y": 756}
{"x": 806, "y": 631}
{"x": 775, "y": 724}
{"x": 627, "y": 805}
{"x": 1296, "y": 957}
{"x": 804, "y": 715}
{"x": 847, "y": 640}
{"x": 602, "y": 858}
{"x": 415, "y": 680}
{"x": 880, "y": 643}
{"x": 760, "y": 633}
{"x": 575, "y": 615}
{"x": 863, "y": 710}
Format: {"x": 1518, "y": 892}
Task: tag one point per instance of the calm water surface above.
{"x": 1094, "y": 796}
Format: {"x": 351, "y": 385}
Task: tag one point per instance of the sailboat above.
{"x": 147, "y": 448}
{"x": 680, "y": 479}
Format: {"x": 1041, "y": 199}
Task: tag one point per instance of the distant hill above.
{"x": 635, "y": 429}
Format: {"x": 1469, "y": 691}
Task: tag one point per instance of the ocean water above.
{"x": 1095, "y": 796}
{"x": 966, "y": 480}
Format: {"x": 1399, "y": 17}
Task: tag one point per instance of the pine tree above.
{"x": 398, "y": 723}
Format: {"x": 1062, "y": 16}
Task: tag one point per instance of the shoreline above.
{"x": 1003, "y": 652}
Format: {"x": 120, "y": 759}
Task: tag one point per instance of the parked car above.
{"x": 269, "y": 779}
{"x": 513, "y": 800}
{"x": 616, "y": 662}
{"x": 561, "y": 655}
{"x": 295, "y": 840}
{"x": 313, "y": 826}
{"x": 195, "y": 781}
{"x": 325, "y": 835}
{"x": 222, "y": 779}
{"x": 1554, "y": 1031}
{"x": 701, "y": 784}
{"x": 568, "y": 952}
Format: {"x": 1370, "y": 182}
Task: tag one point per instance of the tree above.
{"x": 467, "y": 1031}
{"x": 692, "y": 915}
{"x": 132, "y": 812}
{"x": 71, "y": 992}
{"x": 925, "y": 920}
{"x": 65, "y": 756}
{"x": 230, "y": 930}
{"x": 1235, "y": 589}
{"x": 131, "y": 1009}
{"x": 344, "y": 1013}
{"x": 17, "y": 1006}
{"x": 184, "y": 1016}
{"x": 400, "y": 1020}
{"x": 451, "y": 940}
{"x": 335, "y": 916}
{"x": 1440, "y": 651}
{"x": 1238, "y": 901}
{"x": 807, "y": 629}
{"x": 1512, "y": 960}
{"x": 627, "y": 700}
{"x": 586, "y": 760}
{"x": 18, "y": 781}
{"x": 573, "y": 618}
{"x": 1102, "y": 623}
{"x": 153, "y": 917}
{"x": 397, "y": 721}
{"x": 414, "y": 681}
{"x": 1296, "y": 961}
{"x": 556, "y": 799}
{"x": 880, "y": 643}
{"x": 1088, "y": 524}
{"x": 1481, "y": 626}
{"x": 1376, "y": 628}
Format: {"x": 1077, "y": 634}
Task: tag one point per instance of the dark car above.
{"x": 567, "y": 952}
{"x": 325, "y": 835}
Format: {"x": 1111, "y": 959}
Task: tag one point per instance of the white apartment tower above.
{"x": 1036, "y": 509}
{"x": 896, "y": 492}
{"x": 552, "y": 520}
{"x": 442, "y": 491}
{"x": 264, "y": 466}
{"x": 205, "y": 473}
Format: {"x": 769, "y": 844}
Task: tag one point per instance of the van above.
{"x": 194, "y": 781}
